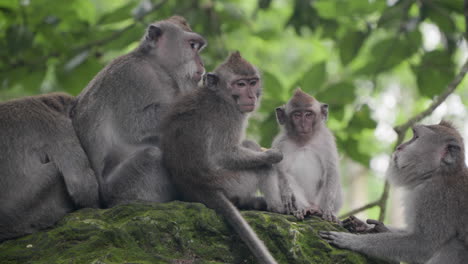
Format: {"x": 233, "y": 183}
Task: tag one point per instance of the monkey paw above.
{"x": 273, "y": 156}
{"x": 330, "y": 216}
{"x": 339, "y": 239}
{"x": 355, "y": 225}
{"x": 313, "y": 210}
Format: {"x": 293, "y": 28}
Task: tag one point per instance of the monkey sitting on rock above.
{"x": 203, "y": 149}
{"x": 309, "y": 169}
{"x": 44, "y": 172}
{"x": 431, "y": 167}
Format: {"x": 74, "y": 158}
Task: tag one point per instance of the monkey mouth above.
{"x": 247, "y": 107}
{"x": 197, "y": 76}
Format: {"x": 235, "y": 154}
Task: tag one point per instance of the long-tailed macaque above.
{"x": 202, "y": 144}
{"x": 431, "y": 167}
{"x": 117, "y": 116}
{"x": 310, "y": 164}
{"x": 44, "y": 172}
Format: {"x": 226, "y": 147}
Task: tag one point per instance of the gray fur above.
{"x": 309, "y": 170}
{"x": 118, "y": 115}
{"x": 44, "y": 171}
{"x": 431, "y": 167}
{"x": 203, "y": 151}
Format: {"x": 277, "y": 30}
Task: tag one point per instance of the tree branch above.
{"x": 401, "y": 131}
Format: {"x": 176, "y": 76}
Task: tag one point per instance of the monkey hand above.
{"x": 379, "y": 227}
{"x": 340, "y": 239}
{"x": 328, "y": 215}
{"x": 289, "y": 202}
{"x": 273, "y": 156}
{"x": 355, "y": 225}
{"x": 312, "y": 210}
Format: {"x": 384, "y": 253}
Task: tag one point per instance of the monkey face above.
{"x": 429, "y": 152}
{"x": 246, "y": 91}
{"x": 303, "y": 121}
{"x": 177, "y": 49}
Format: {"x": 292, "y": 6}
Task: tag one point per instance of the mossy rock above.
{"x": 175, "y": 232}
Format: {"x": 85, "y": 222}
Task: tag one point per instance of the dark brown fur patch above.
{"x": 181, "y": 22}
{"x": 301, "y": 99}
{"x": 237, "y": 65}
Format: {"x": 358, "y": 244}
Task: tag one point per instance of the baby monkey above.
{"x": 309, "y": 170}
{"x": 202, "y": 144}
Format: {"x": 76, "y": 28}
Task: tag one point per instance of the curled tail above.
{"x": 247, "y": 234}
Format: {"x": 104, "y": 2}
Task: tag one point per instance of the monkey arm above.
{"x": 241, "y": 158}
{"x": 331, "y": 199}
{"x": 400, "y": 246}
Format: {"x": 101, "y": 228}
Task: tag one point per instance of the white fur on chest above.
{"x": 304, "y": 169}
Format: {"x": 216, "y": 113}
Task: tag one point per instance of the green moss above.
{"x": 174, "y": 232}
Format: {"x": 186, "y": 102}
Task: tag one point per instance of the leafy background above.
{"x": 376, "y": 63}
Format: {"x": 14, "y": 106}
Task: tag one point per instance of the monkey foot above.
{"x": 313, "y": 210}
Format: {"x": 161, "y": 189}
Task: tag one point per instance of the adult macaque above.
{"x": 44, "y": 172}
{"x": 202, "y": 145}
{"x": 117, "y": 116}
{"x": 431, "y": 166}
{"x": 310, "y": 164}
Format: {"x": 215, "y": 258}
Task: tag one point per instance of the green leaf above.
{"x": 434, "y": 73}
{"x": 268, "y": 130}
{"x": 350, "y": 45}
{"x": 337, "y": 94}
{"x": 313, "y": 79}
{"x": 361, "y": 119}
{"x": 350, "y": 146}
{"x": 272, "y": 85}
{"x": 390, "y": 52}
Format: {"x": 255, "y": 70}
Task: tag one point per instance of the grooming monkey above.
{"x": 44, "y": 172}
{"x": 431, "y": 167}
{"x": 310, "y": 163}
{"x": 202, "y": 144}
{"x": 118, "y": 115}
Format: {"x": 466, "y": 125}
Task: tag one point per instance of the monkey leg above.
{"x": 36, "y": 201}
{"x": 140, "y": 177}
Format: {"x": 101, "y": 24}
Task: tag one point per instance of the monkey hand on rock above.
{"x": 312, "y": 210}
{"x": 355, "y": 225}
{"x": 329, "y": 215}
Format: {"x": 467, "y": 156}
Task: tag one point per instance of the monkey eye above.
{"x": 309, "y": 114}
{"x": 297, "y": 115}
{"x": 253, "y": 83}
{"x": 241, "y": 84}
{"x": 195, "y": 45}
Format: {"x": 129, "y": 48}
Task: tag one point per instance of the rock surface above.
{"x": 174, "y": 232}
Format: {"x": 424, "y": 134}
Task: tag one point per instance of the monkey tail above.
{"x": 247, "y": 234}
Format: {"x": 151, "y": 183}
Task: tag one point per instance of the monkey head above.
{"x": 237, "y": 81}
{"x": 176, "y": 48}
{"x": 301, "y": 116}
{"x": 433, "y": 151}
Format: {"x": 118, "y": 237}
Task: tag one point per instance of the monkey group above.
{"x": 154, "y": 126}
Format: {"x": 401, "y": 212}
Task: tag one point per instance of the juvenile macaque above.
{"x": 310, "y": 164}
{"x": 118, "y": 115}
{"x": 44, "y": 172}
{"x": 431, "y": 167}
{"x": 202, "y": 145}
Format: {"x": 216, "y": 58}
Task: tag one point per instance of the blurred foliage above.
{"x": 346, "y": 53}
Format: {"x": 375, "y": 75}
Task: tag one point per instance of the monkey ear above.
{"x": 451, "y": 153}
{"x": 324, "y": 111}
{"x": 281, "y": 115}
{"x": 211, "y": 80}
{"x": 153, "y": 33}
